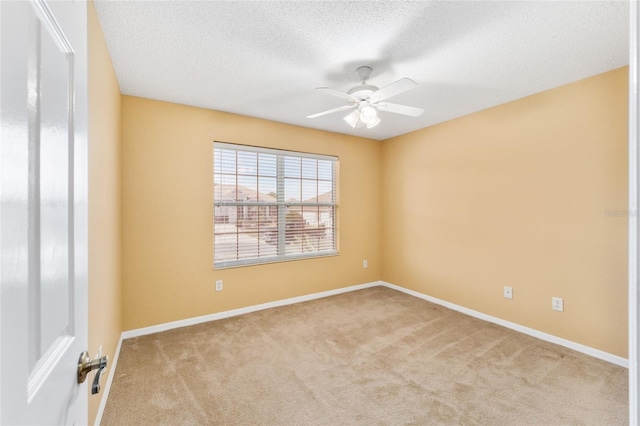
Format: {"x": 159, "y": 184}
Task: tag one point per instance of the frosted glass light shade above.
{"x": 352, "y": 118}
{"x": 373, "y": 123}
{"x": 368, "y": 114}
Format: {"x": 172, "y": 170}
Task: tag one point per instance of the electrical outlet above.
{"x": 365, "y": 264}
{"x": 508, "y": 292}
{"x": 557, "y": 304}
{"x": 218, "y": 285}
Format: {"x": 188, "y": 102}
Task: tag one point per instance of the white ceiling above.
{"x": 264, "y": 59}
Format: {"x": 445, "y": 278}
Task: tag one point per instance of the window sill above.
{"x": 267, "y": 260}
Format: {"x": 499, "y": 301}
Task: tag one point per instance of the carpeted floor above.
{"x": 370, "y": 357}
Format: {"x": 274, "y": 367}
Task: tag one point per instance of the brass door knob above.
{"x": 86, "y": 365}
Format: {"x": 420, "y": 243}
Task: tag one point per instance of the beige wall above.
{"x": 516, "y": 195}
{"x": 105, "y": 299}
{"x": 167, "y": 214}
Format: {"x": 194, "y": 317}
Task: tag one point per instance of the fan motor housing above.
{"x": 362, "y": 91}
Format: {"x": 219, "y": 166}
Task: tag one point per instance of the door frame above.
{"x": 634, "y": 220}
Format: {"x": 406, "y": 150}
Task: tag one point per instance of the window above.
{"x": 272, "y": 205}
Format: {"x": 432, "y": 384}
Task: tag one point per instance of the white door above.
{"x": 43, "y": 211}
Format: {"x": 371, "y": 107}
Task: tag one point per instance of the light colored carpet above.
{"x": 370, "y": 357}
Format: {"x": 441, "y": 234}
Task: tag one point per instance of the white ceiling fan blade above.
{"x": 342, "y": 108}
{"x": 399, "y": 109}
{"x": 393, "y": 89}
{"x": 332, "y": 92}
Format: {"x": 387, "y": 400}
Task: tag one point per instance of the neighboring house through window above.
{"x": 272, "y": 205}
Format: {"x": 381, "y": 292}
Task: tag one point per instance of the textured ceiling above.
{"x": 264, "y": 59}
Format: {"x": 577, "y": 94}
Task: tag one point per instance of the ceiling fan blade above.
{"x": 332, "y": 92}
{"x": 399, "y": 109}
{"x": 393, "y": 89}
{"x": 342, "y": 108}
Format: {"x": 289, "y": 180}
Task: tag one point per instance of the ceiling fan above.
{"x": 367, "y": 100}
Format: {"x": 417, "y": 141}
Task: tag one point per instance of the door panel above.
{"x": 43, "y": 298}
{"x": 51, "y": 199}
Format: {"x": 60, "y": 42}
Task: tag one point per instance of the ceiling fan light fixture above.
{"x": 368, "y": 114}
{"x": 352, "y": 118}
{"x": 373, "y": 123}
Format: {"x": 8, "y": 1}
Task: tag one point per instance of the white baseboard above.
{"x": 241, "y": 311}
{"x": 107, "y": 387}
{"x": 596, "y": 353}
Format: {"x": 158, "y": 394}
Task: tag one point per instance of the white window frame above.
{"x": 281, "y": 204}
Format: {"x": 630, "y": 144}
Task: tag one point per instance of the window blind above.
{"x": 272, "y": 205}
